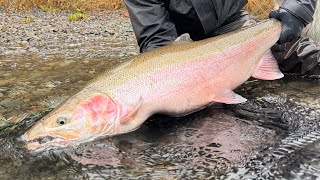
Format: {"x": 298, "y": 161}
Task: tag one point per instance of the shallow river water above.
{"x": 275, "y": 135}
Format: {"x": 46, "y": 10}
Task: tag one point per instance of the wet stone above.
{"x": 9, "y": 103}
{"x": 49, "y": 84}
{"x": 33, "y": 50}
{"x": 2, "y": 50}
{"x": 24, "y": 44}
{"x": 3, "y": 171}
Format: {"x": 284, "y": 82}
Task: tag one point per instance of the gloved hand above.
{"x": 291, "y": 25}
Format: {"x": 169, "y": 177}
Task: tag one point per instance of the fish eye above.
{"x": 62, "y": 120}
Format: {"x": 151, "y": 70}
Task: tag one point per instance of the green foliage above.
{"x": 77, "y": 16}
{"x": 6, "y": 124}
{"x": 26, "y": 19}
{"x": 48, "y": 9}
{"x": 38, "y": 114}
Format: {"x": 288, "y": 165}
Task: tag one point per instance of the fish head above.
{"x": 80, "y": 119}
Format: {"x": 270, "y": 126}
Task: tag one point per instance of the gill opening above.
{"x": 106, "y": 128}
{"x": 99, "y": 116}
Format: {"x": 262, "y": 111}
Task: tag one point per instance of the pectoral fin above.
{"x": 131, "y": 112}
{"x": 268, "y": 68}
{"x": 230, "y": 97}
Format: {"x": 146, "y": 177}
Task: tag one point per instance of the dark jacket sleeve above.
{"x": 301, "y": 9}
{"x": 301, "y": 56}
{"x": 151, "y": 23}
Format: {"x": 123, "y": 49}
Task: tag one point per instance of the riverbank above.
{"x": 49, "y": 31}
{"x": 50, "y": 34}
{"x": 45, "y": 55}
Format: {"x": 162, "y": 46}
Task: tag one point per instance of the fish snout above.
{"x": 28, "y": 136}
{"x": 35, "y": 132}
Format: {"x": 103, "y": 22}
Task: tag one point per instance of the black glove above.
{"x": 291, "y": 25}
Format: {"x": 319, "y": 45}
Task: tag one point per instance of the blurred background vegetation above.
{"x": 259, "y": 8}
{"x": 62, "y": 5}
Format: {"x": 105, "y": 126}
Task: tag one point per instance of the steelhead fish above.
{"x": 176, "y": 79}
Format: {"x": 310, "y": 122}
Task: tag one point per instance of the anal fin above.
{"x": 230, "y": 97}
{"x": 268, "y": 68}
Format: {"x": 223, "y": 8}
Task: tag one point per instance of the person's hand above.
{"x": 291, "y": 25}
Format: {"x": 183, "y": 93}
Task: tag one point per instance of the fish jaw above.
{"x": 54, "y": 139}
{"x": 37, "y": 131}
{"x": 39, "y": 137}
{"x": 36, "y": 146}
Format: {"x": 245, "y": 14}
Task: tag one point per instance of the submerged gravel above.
{"x": 47, "y": 34}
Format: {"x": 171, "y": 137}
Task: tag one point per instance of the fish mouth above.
{"x": 46, "y": 142}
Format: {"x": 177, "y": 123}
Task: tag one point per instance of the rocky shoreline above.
{"x": 47, "y": 34}
{"x": 45, "y": 55}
